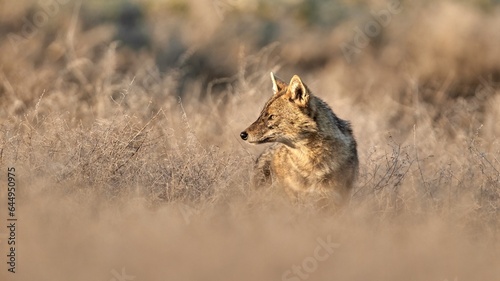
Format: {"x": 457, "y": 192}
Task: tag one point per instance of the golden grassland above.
{"x": 128, "y": 159}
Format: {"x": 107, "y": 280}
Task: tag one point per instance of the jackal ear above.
{"x": 278, "y": 84}
{"x": 298, "y": 91}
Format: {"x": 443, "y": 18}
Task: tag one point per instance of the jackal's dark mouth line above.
{"x": 264, "y": 140}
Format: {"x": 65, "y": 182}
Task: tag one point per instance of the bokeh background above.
{"x": 122, "y": 119}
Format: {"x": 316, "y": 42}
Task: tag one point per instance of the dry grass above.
{"x": 131, "y": 158}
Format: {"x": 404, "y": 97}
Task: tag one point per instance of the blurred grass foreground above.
{"x": 122, "y": 120}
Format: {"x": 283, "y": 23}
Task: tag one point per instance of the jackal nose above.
{"x": 244, "y": 135}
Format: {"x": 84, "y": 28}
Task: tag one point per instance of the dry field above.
{"x": 122, "y": 122}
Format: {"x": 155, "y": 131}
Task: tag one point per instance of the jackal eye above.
{"x": 271, "y": 117}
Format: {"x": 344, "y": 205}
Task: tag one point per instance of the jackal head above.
{"x": 286, "y": 117}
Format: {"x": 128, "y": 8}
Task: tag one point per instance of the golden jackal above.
{"x": 314, "y": 151}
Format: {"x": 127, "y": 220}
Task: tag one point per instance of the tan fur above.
{"x": 314, "y": 152}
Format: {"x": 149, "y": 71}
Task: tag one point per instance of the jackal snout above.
{"x": 259, "y": 132}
